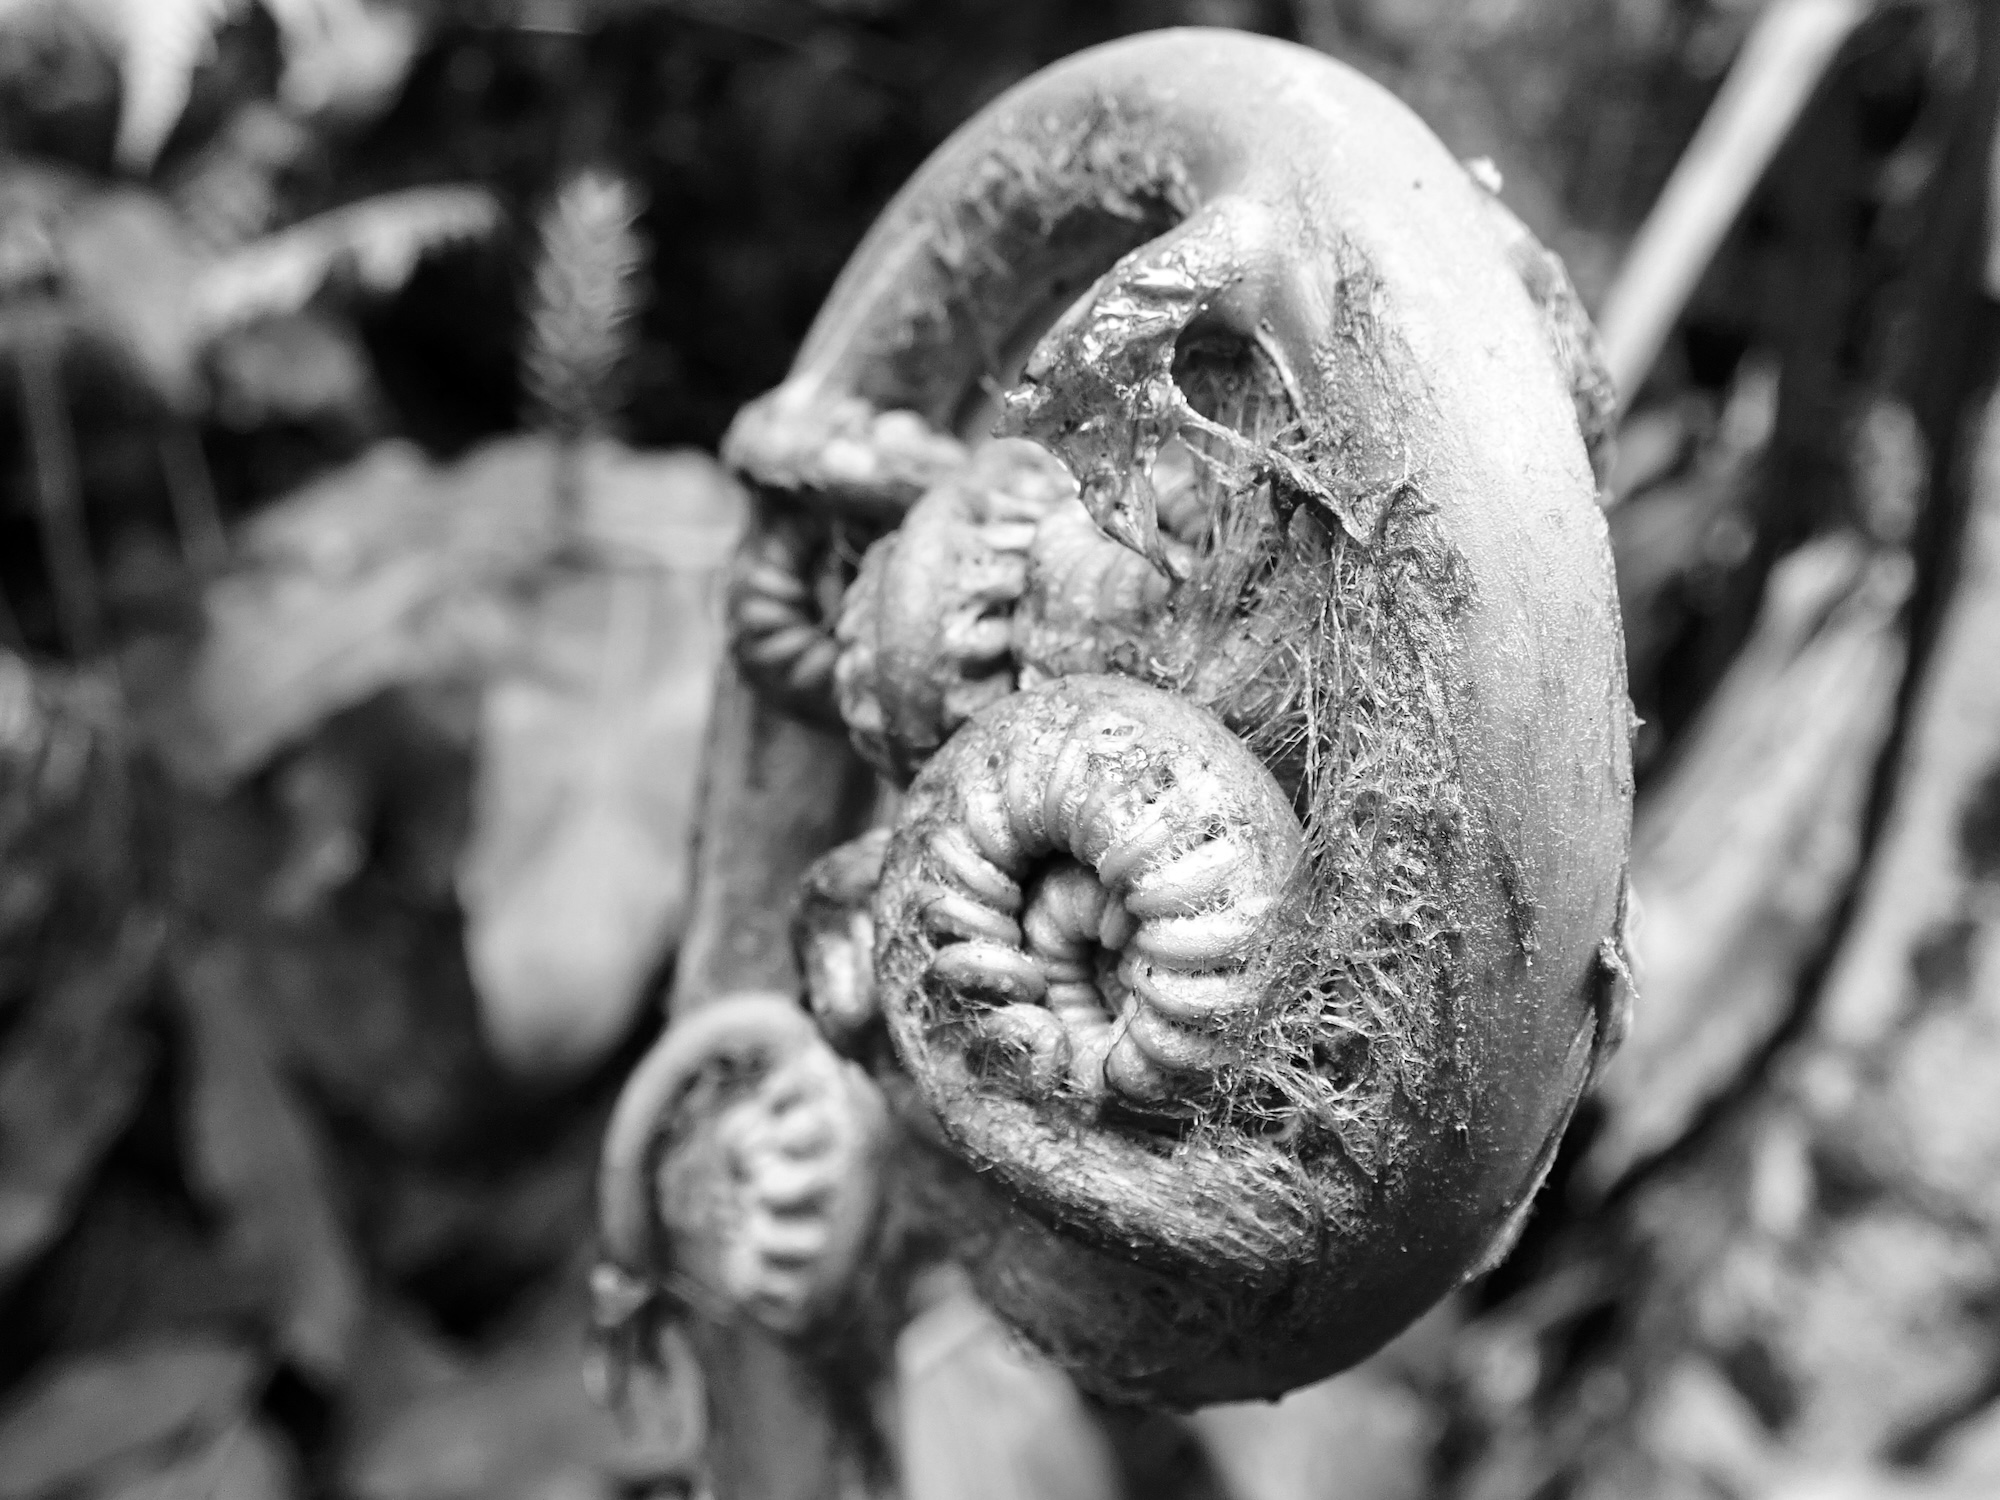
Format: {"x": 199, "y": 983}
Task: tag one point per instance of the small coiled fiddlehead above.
{"x": 739, "y": 1174}
{"x": 925, "y": 634}
{"x": 832, "y": 472}
{"x": 1089, "y": 875}
{"x": 785, "y": 588}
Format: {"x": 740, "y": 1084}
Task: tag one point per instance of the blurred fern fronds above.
{"x": 161, "y": 43}
{"x": 588, "y": 286}
{"x": 377, "y": 242}
{"x": 343, "y": 56}
{"x": 339, "y": 54}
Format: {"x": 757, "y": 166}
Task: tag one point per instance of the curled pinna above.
{"x": 1250, "y": 923}
{"x": 740, "y": 1170}
{"x": 831, "y": 472}
{"x": 1082, "y": 899}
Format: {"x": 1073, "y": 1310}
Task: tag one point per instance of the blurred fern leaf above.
{"x": 378, "y": 242}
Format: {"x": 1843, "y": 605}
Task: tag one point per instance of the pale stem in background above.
{"x": 1786, "y": 54}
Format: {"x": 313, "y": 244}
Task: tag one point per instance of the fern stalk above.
{"x": 59, "y": 495}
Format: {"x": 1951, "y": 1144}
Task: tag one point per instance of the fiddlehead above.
{"x": 785, "y": 589}
{"x": 931, "y": 310}
{"x": 834, "y": 936}
{"x": 740, "y": 1173}
{"x": 1088, "y": 879}
{"x": 1364, "y": 686}
{"x": 832, "y": 473}
{"x": 925, "y": 635}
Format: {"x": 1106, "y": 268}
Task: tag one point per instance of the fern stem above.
{"x": 58, "y": 495}
{"x": 191, "y": 497}
{"x": 11, "y": 635}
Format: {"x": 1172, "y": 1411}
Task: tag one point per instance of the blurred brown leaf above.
{"x": 136, "y": 1264}
{"x": 254, "y": 1154}
{"x": 71, "y": 1074}
{"x": 389, "y": 570}
{"x": 303, "y": 367}
{"x": 519, "y": 1425}
{"x": 345, "y": 58}
{"x": 129, "y": 268}
{"x": 1359, "y": 1436}
{"x": 985, "y": 1418}
{"x": 78, "y": 1417}
{"x": 65, "y": 816}
{"x": 597, "y": 652}
{"x": 245, "y": 1461}
{"x": 374, "y": 1010}
{"x": 575, "y": 880}
{"x": 1742, "y": 853}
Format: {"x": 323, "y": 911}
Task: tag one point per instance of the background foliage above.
{"x": 357, "y": 550}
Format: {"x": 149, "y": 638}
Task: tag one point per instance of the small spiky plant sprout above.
{"x": 1250, "y": 925}
{"x": 589, "y": 286}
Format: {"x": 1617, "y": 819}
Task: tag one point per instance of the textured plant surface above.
{"x": 1101, "y": 880}
{"x": 1267, "y": 969}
